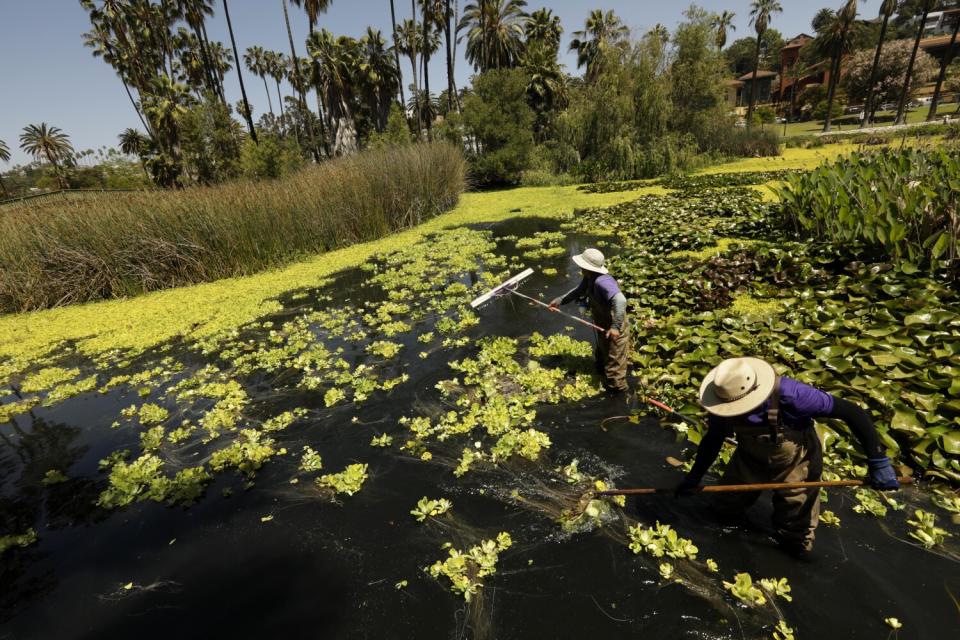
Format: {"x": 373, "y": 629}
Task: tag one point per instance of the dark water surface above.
{"x": 322, "y": 570}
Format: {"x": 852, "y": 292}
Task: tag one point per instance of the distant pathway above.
{"x": 898, "y": 127}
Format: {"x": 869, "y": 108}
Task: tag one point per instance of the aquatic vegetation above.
{"x": 466, "y": 570}
{"x": 310, "y": 461}
{"x": 384, "y": 349}
{"x": 69, "y": 390}
{"x": 11, "y": 409}
{"x": 383, "y": 440}
{"x": 283, "y": 420}
{"x": 53, "y": 476}
{"x": 874, "y": 502}
{"x": 925, "y": 529}
{"x": 829, "y": 518}
{"x": 659, "y": 541}
{"x": 946, "y": 500}
{"x": 150, "y": 414}
{"x": 712, "y": 565}
{"x": 152, "y": 438}
{"x": 333, "y": 396}
{"x": 247, "y": 453}
{"x": 427, "y": 508}
{"x": 893, "y": 623}
{"x": 527, "y": 444}
{"x": 743, "y": 589}
{"x": 143, "y": 479}
{"x": 19, "y": 540}
{"x": 777, "y": 587}
{"x": 783, "y": 631}
{"x": 348, "y": 481}
{"x": 47, "y": 378}
{"x": 666, "y": 570}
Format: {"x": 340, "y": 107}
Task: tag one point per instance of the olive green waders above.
{"x": 612, "y": 354}
{"x": 777, "y": 453}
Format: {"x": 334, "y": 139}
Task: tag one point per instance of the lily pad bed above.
{"x": 376, "y": 459}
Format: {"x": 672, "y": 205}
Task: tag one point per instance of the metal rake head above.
{"x": 501, "y": 289}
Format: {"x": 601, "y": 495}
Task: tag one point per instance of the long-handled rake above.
{"x": 510, "y": 286}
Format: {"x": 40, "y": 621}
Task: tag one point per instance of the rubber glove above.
{"x": 686, "y": 486}
{"x": 555, "y": 303}
{"x": 882, "y": 474}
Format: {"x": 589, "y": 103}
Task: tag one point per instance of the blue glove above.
{"x": 882, "y": 474}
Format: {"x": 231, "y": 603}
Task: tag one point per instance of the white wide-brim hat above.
{"x": 737, "y": 386}
{"x": 591, "y": 260}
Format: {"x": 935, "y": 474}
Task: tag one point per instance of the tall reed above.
{"x": 74, "y": 249}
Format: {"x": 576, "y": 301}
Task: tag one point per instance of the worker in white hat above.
{"x": 772, "y": 419}
{"x": 608, "y": 306}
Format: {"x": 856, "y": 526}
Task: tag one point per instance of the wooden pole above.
{"x": 728, "y": 488}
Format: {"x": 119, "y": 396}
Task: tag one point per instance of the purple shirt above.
{"x": 605, "y": 287}
{"x": 799, "y": 405}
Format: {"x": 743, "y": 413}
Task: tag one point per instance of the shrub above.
{"x": 899, "y": 205}
{"x": 731, "y": 141}
{"x": 55, "y": 252}
{"x": 273, "y": 157}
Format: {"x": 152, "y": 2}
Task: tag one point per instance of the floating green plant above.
{"x": 383, "y": 440}
{"x": 783, "y": 631}
{"x": 659, "y": 541}
{"x": 20, "y": 540}
{"x": 743, "y": 589}
{"x": 53, "y": 476}
{"x": 427, "y": 508}
{"x": 247, "y": 453}
{"x": 466, "y": 570}
{"x": 348, "y": 481}
{"x": 925, "y": 529}
{"x": 310, "y": 461}
{"x": 829, "y": 518}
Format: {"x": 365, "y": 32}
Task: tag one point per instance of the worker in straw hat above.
{"x": 772, "y": 419}
{"x": 609, "y": 309}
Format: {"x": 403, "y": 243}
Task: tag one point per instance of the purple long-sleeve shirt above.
{"x": 799, "y": 405}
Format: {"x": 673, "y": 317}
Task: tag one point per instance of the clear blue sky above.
{"x": 48, "y": 75}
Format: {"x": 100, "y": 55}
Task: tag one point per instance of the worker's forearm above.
{"x": 707, "y": 452}
{"x": 861, "y": 425}
{"x": 618, "y": 312}
{"x": 574, "y": 293}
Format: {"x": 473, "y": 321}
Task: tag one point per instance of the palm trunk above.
{"x": 947, "y": 59}
{"x": 426, "y": 69}
{"x": 214, "y": 69}
{"x": 206, "y": 60}
{"x": 279, "y": 96}
{"x": 243, "y": 90}
{"x": 56, "y": 169}
{"x": 299, "y": 84}
{"x": 868, "y": 105}
{"x": 753, "y": 83}
{"x": 6, "y": 194}
{"x": 413, "y": 61}
{"x": 266, "y": 90}
{"x": 902, "y": 104}
{"x": 834, "y": 78}
{"x": 396, "y": 55}
{"x": 446, "y": 36}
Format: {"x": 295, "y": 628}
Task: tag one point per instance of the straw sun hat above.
{"x": 591, "y": 260}
{"x": 737, "y": 386}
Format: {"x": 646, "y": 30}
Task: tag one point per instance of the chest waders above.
{"x": 774, "y": 452}
{"x": 611, "y": 353}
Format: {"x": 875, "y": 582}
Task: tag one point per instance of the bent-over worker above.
{"x": 772, "y": 418}
{"x": 608, "y": 307}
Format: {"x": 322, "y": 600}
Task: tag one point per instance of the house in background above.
{"x": 938, "y": 31}
{"x": 766, "y": 81}
{"x": 789, "y": 57}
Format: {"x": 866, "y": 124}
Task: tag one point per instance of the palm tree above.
{"x": 134, "y": 143}
{"x": 944, "y": 63}
{"x": 50, "y": 143}
{"x": 377, "y": 75}
{"x": 298, "y": 84}
{"x": 602, "y": 31}
{"x": 545, "y": 29}
{"x": 834, "y": 41}
{"x": 275, "y": 65}
{"x": 256, "y": 62}
{"x": 409, "y": 42}
{"x": 659, "y": 32}
{"x": 243, "y": 90}
{"x": 887, "y": 7}
{"x": 4, "y": 157}
{"x": 721, "y": 24}
{"x": 195, "y": 12}
{"x": 313, "y": 8}
{"x": 926, "y": 7}
{"x": 396, "y": 51}
{"x": 761, "y": 11}
{"x": 494, "y": 30}
{"x": 336, "y": 60}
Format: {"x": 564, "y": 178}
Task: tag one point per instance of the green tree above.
{"x": 887, "y": 7}
{"x": 499, "y": 120}
{"x": 50, "y": 143}
{"x": 886, "y": 75}
{"x": 722, "y": 23}
{"x": 696, "y": 73}
{"x": 926, "y": 6}
{"x": 739, "y": 55}
{"x": 209, "y": 142}
{"x": 273, "y": 158}
{"x": 761, "y": 11}
{"x": 336, "y": 61}
{"x": 543, "y": 30}
{"x": 134, "y": 143}
{"x": 494, "y": 31}
{"x": 602, "y": 31}
{"x": 397, "y": 131}
{"x": 376, "y": 76}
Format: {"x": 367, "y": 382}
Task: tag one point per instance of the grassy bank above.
{"x": 63, "y": 251}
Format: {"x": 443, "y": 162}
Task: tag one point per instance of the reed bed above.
{"x": 62, "y": 251}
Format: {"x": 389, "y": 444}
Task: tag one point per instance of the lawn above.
{"x": 852, "y": 122}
